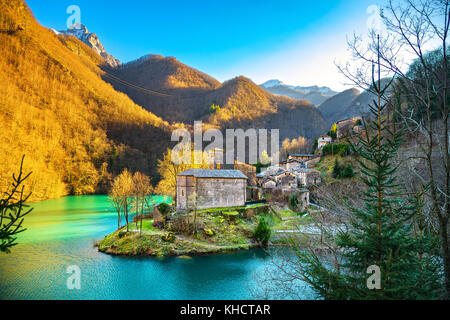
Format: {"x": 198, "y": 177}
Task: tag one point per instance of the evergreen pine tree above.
{"x": 348, "y": 171}
{"x": 13, "y": 209}
{"x": 337, "y": 169}
{"x": 381, "y": 231}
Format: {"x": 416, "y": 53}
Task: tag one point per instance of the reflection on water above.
{"x": 62, "y": 233}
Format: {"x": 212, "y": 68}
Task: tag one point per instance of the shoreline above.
{"x": 216, "y": 233}
{"x": 187, "y": 255}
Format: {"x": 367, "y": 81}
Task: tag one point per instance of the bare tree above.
{"x": 299, "y": 145}
{"x": 116, "y": 201}
{"x": 121, "y": 192}
{"x": 417, "y": 30}
{"x": 142, "y": 188}
{"x": 194, "y": 201}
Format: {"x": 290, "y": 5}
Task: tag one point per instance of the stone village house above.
{"x": 291, "y": 164}
{"x": 322, "y": 141}
{"x": 294, "y": 164}
{"x": 309, "y": 177}
{"x": 269, "y": 183}
{"x": 286, "y": 179}
{"x": 346, "y": 128}
{"x": 214, "y": 188}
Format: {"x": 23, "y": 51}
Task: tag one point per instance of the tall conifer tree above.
{"x": 380, "y": 236}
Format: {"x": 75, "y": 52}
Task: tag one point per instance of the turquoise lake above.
{"x": 62, "y": 233}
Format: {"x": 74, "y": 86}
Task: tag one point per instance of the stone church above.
{"x": 214, "y": 189}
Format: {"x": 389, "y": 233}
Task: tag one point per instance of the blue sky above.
{"x": 296, "y": 41}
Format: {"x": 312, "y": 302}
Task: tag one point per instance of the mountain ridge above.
{"x": 334, "y": 108}
{"x": 313, "y": 94}
{"x": 349, "y": 103}
{"x": 241, "y": 103}
{"x": 75, "y": 130}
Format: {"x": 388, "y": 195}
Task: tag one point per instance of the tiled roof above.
{"x": 210, "y": 173}
{"x": 279, "y": 173}
{"x": 268, "y": 179}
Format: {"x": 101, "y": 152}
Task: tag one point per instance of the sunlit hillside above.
{"x": 243, "y": 104}
{"x": 74, "y": 129}
{"x": 238, "y": 103}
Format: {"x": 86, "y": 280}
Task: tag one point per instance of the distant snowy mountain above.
{"x": 314, "y": 94}
{"x": 272, "y": 83}
{"x": 91, "y": 39}
{"x": 323, "y": 90}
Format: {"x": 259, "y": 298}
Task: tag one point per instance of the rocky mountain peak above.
{"x": 272, "y": 83}
{"x": 91, "y": 39}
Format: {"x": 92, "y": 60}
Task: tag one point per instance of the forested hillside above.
{"x": 334, "y": 109}
{"x": 74, "y": 129}
{"x": 243, "y": 104}
{"x": 192, "y": 95}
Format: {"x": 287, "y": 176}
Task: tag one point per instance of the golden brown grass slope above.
{"x": 73, "y": 127}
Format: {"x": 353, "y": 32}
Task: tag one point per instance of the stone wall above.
{"x": 185, "y": 187}
{"x": 313, "y": 177}
{"x": 221, "y": 193}
{"x": 214, "y": 192}
{"x": 311, "y": 163}
{"x": 248, "y": 170}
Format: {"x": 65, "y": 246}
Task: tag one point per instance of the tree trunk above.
{"x": 142, "y": 216}
{"x": 195, "y": 222}
{"x": 126, "y": 213}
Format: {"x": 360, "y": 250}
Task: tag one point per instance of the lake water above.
{"x": 62, "y": 233}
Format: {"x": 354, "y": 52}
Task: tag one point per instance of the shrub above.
{"x": 214, "y": 109}
{"x": 348, "y": 172}
{"x": 263, "y": 232}
{"x": 293, "y": 201}
{"x": 333, "y": 131}
{"x": 337, "y": 169}
{"x": 168, "y": 237}
{"x": 182, "y": 224}
{"x": 315, "y": 145}
{"x": 208, "y": 232}
{"x": 122, "y": 234}
{"x": 340, "y": 171}
{"x": 302, "y": 214}
{"x": 164, "y": 209}
{"x": 259, "y": 165}
{"x": 342, "y": 149}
